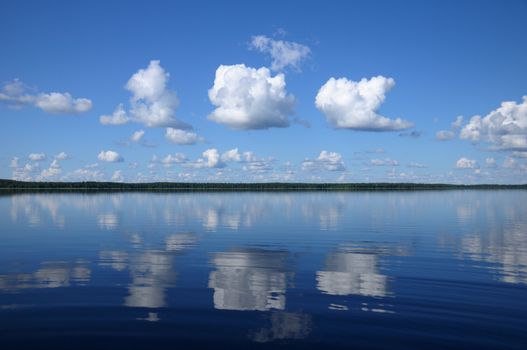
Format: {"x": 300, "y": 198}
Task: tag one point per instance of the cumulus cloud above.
{"x": 445, "y": 135}
{"x": 490, "y": 162}
{"x": 88, "y": 173}
{"x": 118, "y": 176}
{"x": 232, "y": 156}
{"x": 62, "y": 156}
{"x": 37, "y": 156}
{"x": 118, "y": 117}
{"x": 211, "y": 159}
{"x": 348, "y": 104}
{"x": 110, "y": 157}
{"x": 62, "y": 103}
{"x": 330, "y": 161}
{"x": 384, "y": 162}
{"x": 170, "y": 159}
{"x": 53, "y": 170}
{"x": 181, "y": 137}
{"x": 254, "y": 164}
{"x": 504, "y": 128}
{"x": 136, "y": 136}
{"x": 416, "y": 165}
{"x": 17, "y": 95}
{"x": 152, "y": 103}
{"x": 283, "y": 53}
{"x": 465, "y": 163}
{"x": 248, "y": 98}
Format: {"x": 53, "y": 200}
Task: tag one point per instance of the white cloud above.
{"x": 118, "y": 117}
{"x": 110, "y": 157}
{"x": 232, "y": 156}
{"x": 416, "y": 165}
{"x": 456, "y": 124}
{"x": 152, "y": 103}
{"x": 62, "y": 156}
{"x": 254, "y": 164}
{"x": 353, "y": 105}
{"x": 14, "y": 162}
{"x": 181, "y": 137}
{"x": 445, "y": 135}
{"x": 248, "y": 98}
{"x": 211, "y": 159}
{"x": 53, "y": 170}
{"x": 490, "y": 162}
{"x": 509, "y": 163}
{"x": 136, "y": 136}
{"x": 16, "y": 95}
{"x": 118, "y": 176}
{"x": 62, "y": 103}
{"x": 330, "y": 161}
{"x": 465, "y": 163}
{"x": 37, "y": 156}
{"x": 283, "y": 53}
{"x": 384, "y": 162}
{"x": 504, "y": 128}
{"x": 85, "y": 174}
{"x": 174, "y": 159}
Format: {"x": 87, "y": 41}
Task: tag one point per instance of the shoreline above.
{"x": 13, "y": 186}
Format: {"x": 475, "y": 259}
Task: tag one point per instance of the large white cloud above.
{"x": 504, "y": 128}
{"x": 181, "y": 137}
{"x": 248, "y": 98}
{"x": 110, "y": 157}
{"x": 283, "y": 53}
{"x": 152, "y": 103}
{"x": 16, "y": 95}
{"x": 349, "y": 104}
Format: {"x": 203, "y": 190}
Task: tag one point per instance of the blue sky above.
{"x": 264, "y": 91}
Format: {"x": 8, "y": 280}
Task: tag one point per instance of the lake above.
{"x": 397, "y": 270}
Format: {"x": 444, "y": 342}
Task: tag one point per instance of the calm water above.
{"x": 410, "y": 270}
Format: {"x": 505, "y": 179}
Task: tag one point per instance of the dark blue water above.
{"x": 394, "y": 270}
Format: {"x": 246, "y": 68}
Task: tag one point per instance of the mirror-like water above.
{"x": 238, "y": 270}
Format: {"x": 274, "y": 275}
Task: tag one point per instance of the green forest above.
{"x": 13, "y": 185}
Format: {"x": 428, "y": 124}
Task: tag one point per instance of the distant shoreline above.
{"x": 10, "y": 186}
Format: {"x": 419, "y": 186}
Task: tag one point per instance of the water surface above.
{"x": 408, "y": 270}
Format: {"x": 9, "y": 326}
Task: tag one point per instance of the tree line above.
{"x": 13, "y": 185}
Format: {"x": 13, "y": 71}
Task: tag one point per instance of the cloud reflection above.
{"x": 49, "y": 275}
{"x": 249, "y": 280}
{"x": 349, "y": 273}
